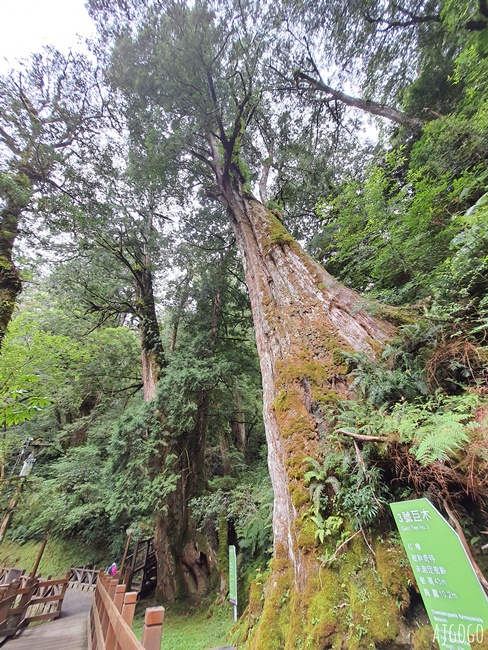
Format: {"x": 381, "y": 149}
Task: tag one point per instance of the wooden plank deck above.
{"x": 70, "y": 633}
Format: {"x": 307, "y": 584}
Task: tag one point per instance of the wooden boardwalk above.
{"x": 69, "y": 632}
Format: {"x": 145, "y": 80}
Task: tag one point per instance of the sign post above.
{"x": 455, "y": 602}
{"x": 233, "y": 579}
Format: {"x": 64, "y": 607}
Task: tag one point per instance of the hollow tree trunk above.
{"x": 185, "y": 559}
{"x": 304, "y": 320}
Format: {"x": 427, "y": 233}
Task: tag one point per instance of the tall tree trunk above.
{"x": 186, "y": 560}
{"x": 177, "y": 317}
{"x": 304, "y": 320}
{"x": 152, "y": 352}
{"x": 10, "y": 282}
{"x": 301, "y": 317}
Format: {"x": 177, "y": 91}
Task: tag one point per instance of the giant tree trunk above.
{"x": 304, "y": 320}
{"x": 10, "y": 282}
{"x": 186, "y": 559}
{"x": 302, "y": 316}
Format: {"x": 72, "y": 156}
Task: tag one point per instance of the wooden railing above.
{"x": 111, "y": 619}
{"x": 8, "y": 575}
{"x": 140, "y": 573}
{"x": 30, "y": 599}
{"x": 83, "y": 579}
{"x": 46, "y": 601}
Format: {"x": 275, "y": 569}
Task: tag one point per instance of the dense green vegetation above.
{"x": 129, "y": 367}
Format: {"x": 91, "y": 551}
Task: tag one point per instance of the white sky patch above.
{"x": 28, "y": 25}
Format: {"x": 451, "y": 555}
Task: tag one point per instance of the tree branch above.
{"x": 373, "y": 108}
{"x": 360, "y": 436}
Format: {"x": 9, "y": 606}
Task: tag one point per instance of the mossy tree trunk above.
{"x": 10, "y": 282}
{"x": 15, "y": 190}
{"x": 304, "y": 320}
{"x": 185, "y": 558}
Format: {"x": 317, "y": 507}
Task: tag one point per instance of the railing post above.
{"x": 153, "y": 628}
{"x": 119, "y": 597}
{"x": 129, "y": 607}
{"x": 104, "y": 619}
{"x": 110, "y": 638}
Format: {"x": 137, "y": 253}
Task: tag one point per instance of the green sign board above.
{"x": 232, "y": 575}
{"x": 453, "y": 597}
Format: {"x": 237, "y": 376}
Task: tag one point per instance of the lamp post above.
{"x": 24, "y": 472}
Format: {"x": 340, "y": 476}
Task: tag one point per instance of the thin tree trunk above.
{"x": 263, "y": 181}
{"x": 181, "y": 306}
{"x": 238, "y": 425}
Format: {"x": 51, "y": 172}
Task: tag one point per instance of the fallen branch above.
{"x": 360, "y": 436}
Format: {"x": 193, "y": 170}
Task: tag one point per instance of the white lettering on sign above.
{"x": 409, "y": 516}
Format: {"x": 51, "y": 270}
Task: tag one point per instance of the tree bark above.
{"x": 301, "y": 317}
{"x": 186, "y": 560}
{"x": 238, "y": 425}
{"x": 304, "y": 320}
{"x": 10, "y": 282}
{"x": 179, "y": 311}
{"x": 152, "y": 352}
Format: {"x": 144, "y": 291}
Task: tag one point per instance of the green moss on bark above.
{"x": 357, "y": 602}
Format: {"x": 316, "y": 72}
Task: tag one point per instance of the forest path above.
{"x": 68, "y": 632}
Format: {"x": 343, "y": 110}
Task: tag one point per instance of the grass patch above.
{"x": 59, "y": 556}
{"x": 191, "y": 628}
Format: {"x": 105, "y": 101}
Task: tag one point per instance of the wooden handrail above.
{"x": 111, "y": 619}
{"x": 84, "y": 579}
{"x": 30, "y": 599}
{"x": 10, "y": 574}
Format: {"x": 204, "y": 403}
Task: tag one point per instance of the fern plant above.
{"x": 435, "y": 430}
{"x": 356, "y": 495}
